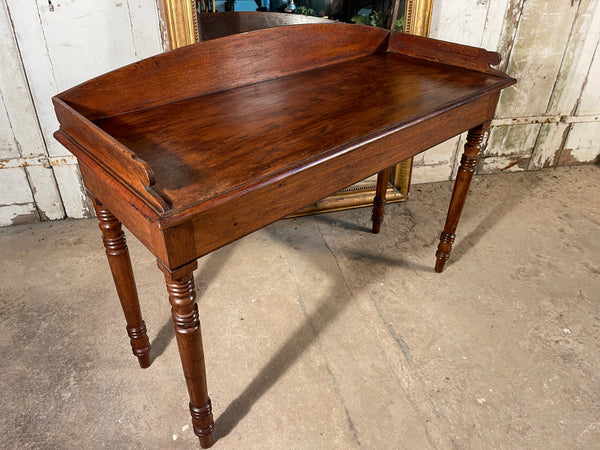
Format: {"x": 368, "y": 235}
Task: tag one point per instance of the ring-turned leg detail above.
{"x": 182, "y": 296}
{"x": 459, "y": 194}
{"x": 379, "y": 200}
{"x": 202, "y": 420}
{"x": 122, "y": 272}
{"x": 443, "y": 252}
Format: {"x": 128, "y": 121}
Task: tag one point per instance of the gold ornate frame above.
{"x": 181, "y": 21}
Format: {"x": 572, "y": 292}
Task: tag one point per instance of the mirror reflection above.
{"x": 380, "y": 13}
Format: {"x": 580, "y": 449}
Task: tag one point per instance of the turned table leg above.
{"x": 379, "y": 200}
{"x": 459, "y": 194}
{"x": 120, "y": 267}
{"x": 182, "y": 296}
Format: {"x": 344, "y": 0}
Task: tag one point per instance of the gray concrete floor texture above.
{"x": 321, "y": 335}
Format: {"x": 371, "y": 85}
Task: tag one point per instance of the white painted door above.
{"x": 28, "y": 190}
{"x": 551, "y": 117}
{"x": 48, "y": 46}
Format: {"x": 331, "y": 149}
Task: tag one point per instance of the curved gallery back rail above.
{"x": 261, "y": 131}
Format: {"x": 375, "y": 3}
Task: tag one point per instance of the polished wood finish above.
{"x": 200, "y": 146}
{"x": 122, "y": 272}
{"x": 184, "y": 310}
{"x": 459, "y": 194}
{"x": 379, "y": 200}
{"x": 213, "y": 26}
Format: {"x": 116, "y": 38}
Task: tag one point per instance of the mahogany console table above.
{"x": 197, "y": 147}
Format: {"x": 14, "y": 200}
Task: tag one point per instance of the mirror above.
{"x": 381, "y": 13}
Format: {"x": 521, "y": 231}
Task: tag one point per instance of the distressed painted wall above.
{"x": 47, "y": 47}
{"x": 552, "y": 116}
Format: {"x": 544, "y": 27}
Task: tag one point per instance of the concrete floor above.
{"x": 319, "y": 334}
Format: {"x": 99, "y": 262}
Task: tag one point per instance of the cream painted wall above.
{"x": 551, "y": 117}
{"x": 47, "y": 47}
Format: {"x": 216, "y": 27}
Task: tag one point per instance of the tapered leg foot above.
{"x": 120, "y": 267}
{"x": 443, "y": 252}
{"x": 140, "y": 344}
{"x": 182, "y": 296}
{"x": 459, "y": 194}
{"x": 379, "y": 200}
{"x": 202, "y": 421}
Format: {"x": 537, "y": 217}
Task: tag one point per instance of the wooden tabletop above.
{"x": 207, "y": 146}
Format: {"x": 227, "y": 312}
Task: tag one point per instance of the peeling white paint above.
{"x": 460, "y": 144}
{"x": 437, "y": 163}
{"x": 590, "y": 97}
{"x": 500, "y": 164}
{"x": 16, "y": 99}
{"x": 512, "y": 140}
{"x": 18, "y": 191}
{"x": 8, "y": 146}
{"x": 43, "y": 161}
{"x": 464, "y": 23}
{"x": 577, "y": 60}
{"x": 145, "y": 27}
{"x": 75, "y": 200}
{"x": 584, "y": 136}
{"x": 545, "y": 119}
{"x": 59, "y": 45}
{"x": 536, "y": 57}
{"x": 45, "y": 192}
{"x": 443, "y": 153}
{"x": 21, "y": 138}
{"x": 38, "y": 66}
{"x": 431, "y": 174}
{"x": 554, "y": 53}
{"x": 18, "y": 214}
{"x": 586, "y": 155}
{"x": 548, "y": 146}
